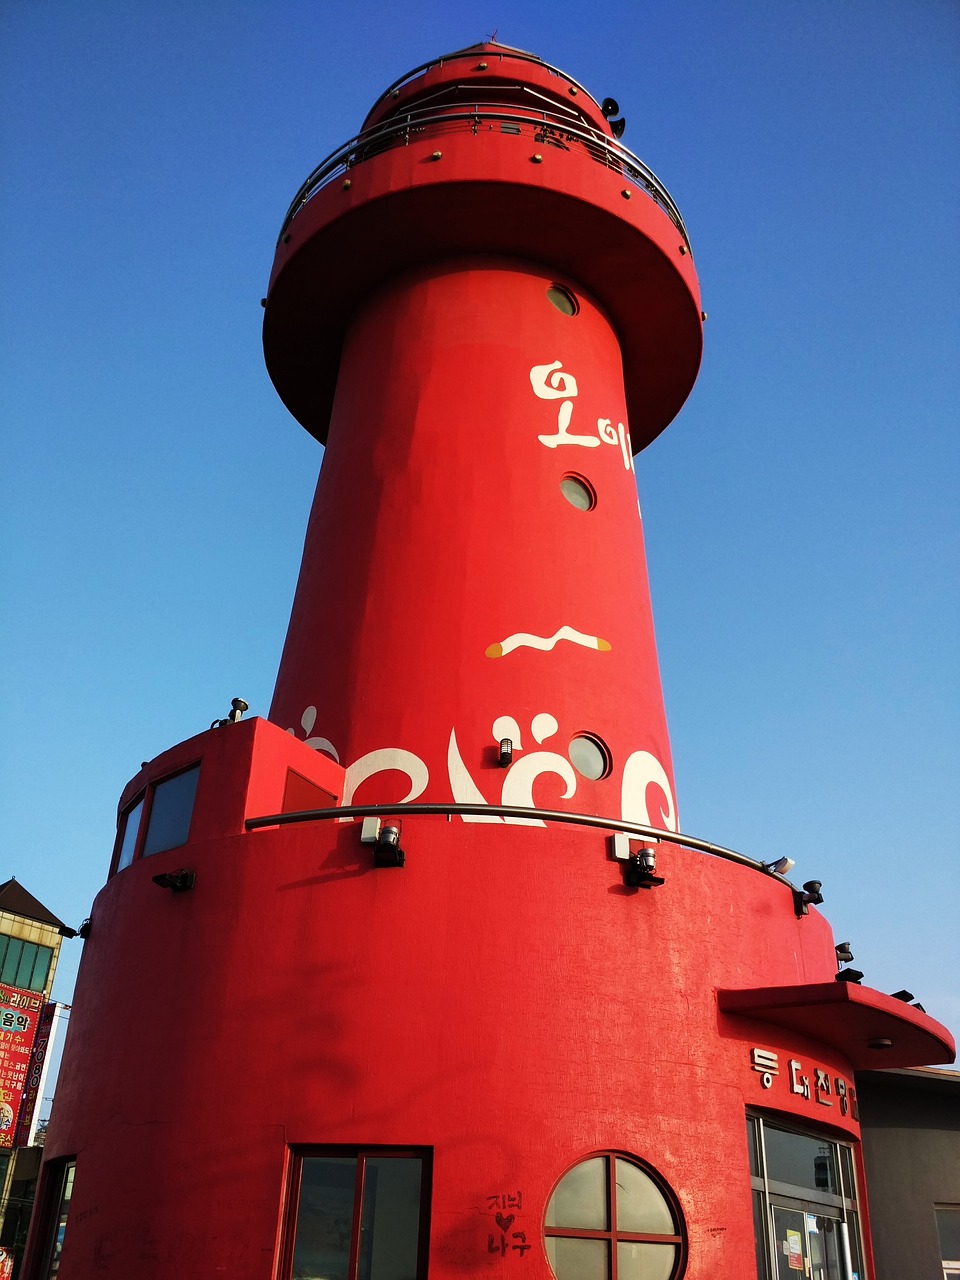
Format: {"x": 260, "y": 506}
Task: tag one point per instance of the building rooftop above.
{"x": 19, "y": 902}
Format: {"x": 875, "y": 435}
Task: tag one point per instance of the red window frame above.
{"x": 361, "y": 1155}
{"x": 613, "y": 1235}
{"x": 146, "y": 797}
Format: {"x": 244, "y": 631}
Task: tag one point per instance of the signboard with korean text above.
{"x": 19, "y": 1018}
{"x": 809, "y": 1082}
{"x": 35, "y": 1075}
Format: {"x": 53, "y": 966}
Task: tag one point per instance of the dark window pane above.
{"x": 28, "y": 956}
{"x": 801, "y": 1161}
{"x": 11, "y": 961}
{"x": 390, "y": 1222}
{"x": 131, "y": 827}
{"x": 752, "y": 1139}
{"x": 171, "y": 811}
{"x": 762, "y": 1236}
{"x": 790, "y": 1243}
{"x": 325, "y": 1218}
{"x": 60, "y": 1224}
{"x": 846, "y": 1165}
{"x": 948, "y": 1225}
{"x": 42, "y": 968}
{"x": 856, "y": 1253}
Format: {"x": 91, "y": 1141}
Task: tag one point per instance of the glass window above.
{"x": 948, "y": 1229}
{"x": 11, "y": 960}
{"x": 358, "y": 1216}
{"x": 578, "y": 492}
{"x": 804, "y": 1201}
{"x": 171, "y": 809}
{"x": 24, "y": 964}
{"x": 611, "y": 1215}
{"x": 28, "y": 957}
{"x": 130, "y": 826}
{"x": 589, "y": 756}
{"x": 563, "y": 300}
{"x": 60, "y": 1174}
{"x": 801, "y": 1160}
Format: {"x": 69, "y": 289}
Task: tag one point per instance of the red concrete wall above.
{"x": 439, "y": 537}
{"x": 502, "y": 999}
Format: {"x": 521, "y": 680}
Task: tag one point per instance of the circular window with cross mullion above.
{"x": 611, "y": 1218}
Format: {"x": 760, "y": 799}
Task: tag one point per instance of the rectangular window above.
{"x": 948, "y": 1229}
{"x": 129, "y": 830}
{"x": 159, "y": 819}
{"x": 57, "y": 1180}
{"x": 358, "y": 1215}
{"x": 805, "y": 1204}
{"x": 171, "y": 811}
{"x": 24, "y": 964}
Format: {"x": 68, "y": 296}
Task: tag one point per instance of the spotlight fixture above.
{"x": 809, "y": 895}
{"x": 640, "y": 868}
{"x": 850, "y": 975}
{"x": 179, "y": 881}
{"x": 506, "y": 753}
{"x": 880, "y": 1042}
{"x": 237, "y": 708}
{"x": 84, "y": 930}
{"x": 844, "y": 954}
{"x": 905, "y": 996}
{"x": 917, "y": 1005}
{"x": 610, "y": 107}
{"x": 780, "y": 866}
{"x": 387, "y": 851}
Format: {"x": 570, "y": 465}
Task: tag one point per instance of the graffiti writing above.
{"x": 505, "y": 1206}
{"x": 552, "y": 382}
{"x": 646, "y": 795}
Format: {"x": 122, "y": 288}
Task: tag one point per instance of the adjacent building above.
{"x": 30, "y": 941}
{"x": 911, "y": 1151}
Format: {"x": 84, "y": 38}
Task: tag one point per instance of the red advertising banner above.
{"x": 31, "y": 1094}
{"x": 19, "y": 1017}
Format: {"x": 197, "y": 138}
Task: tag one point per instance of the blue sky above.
{"x": 801, "y": 513}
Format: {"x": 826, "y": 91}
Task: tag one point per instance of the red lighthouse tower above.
{"x": 420, "y": 976}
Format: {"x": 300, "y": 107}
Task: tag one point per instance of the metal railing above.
{"x": 635, "y": 829}
{"x": 504, "y": 53}
{"x": 545, "y": 128}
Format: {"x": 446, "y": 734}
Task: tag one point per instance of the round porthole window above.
{"x": 612, "y": 1215}
{"x": 563, "y": 299}
{"x": 578, "y": 492}
{"x": 589, "y": 756}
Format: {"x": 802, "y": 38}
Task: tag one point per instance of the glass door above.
{"x": 808, "y": 1245}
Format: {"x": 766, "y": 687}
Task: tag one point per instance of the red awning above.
{"x": 869, "y": 1028}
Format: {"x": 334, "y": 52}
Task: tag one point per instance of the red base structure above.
{"x": 420, "y": 977}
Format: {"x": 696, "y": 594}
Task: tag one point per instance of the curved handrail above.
{"x": 552, "y": 129}
{"x": 475, "y": 51}
{"x": 513, "y": 811}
